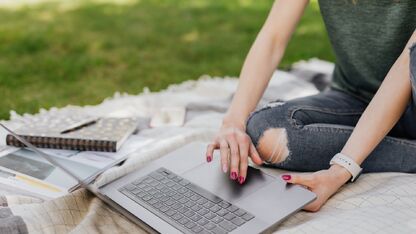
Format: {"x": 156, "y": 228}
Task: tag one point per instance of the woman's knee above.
{"x": 267, "y": 130}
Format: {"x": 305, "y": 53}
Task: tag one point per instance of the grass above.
{"x": 79, "y": 52}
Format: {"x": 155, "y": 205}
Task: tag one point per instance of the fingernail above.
{"x": 241, "y": 179}
{"x": 224, "y": 168}
{"x": 233, "y": 175}
{"x": 286, "y": 177}
{"x": 209, "y": 158}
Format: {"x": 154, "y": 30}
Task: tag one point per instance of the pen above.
{"x": 29, "y": 181}
{"x": 80, "y": 125}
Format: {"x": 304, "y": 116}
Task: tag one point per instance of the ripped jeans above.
{"x": 317, "y": 127}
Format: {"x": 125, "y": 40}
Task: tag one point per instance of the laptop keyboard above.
{"x": 184, "y": 205}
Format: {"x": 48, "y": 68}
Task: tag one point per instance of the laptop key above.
{"x": 183, "y": 221}
{"x": 152, "y": 192}
{"x": 137, "y": 182}
{"x": 209, "y": 226}
{"x": 215, "y": 208}
{"x": 195, "y": 197}
{"x": 141, "y": 185}
{"x": 202, "y": 201}
{"x": 217, "y": 219}
{"x": 240, "y": 212}
{"x": 202, "y": 221}
{"x": 136, "y": 191}
{"x": 232, "y": 208}
{"x": 170, "y": 202}
{"x": 229, "y": 216}
{"x": 170, "y": 212}
{"x": 190, "y": 204}
{"x": 177, "y": 197}
{"x": 196, "y": 217}
{"x": 190, "y": 225}
{"x": 147, "y": 189}
{"x": 222, "y": 212}
{"x": 224, "y": 204}
{"x": 184, "y": 182}
{"x": 247, "y": 217}
{"x": 164, "y": 208}
{"x": 171, "y": 193}
{"x": 170, "y": 184}
{"x": 176, "y": 187}
{"x": 164, "y": 199}
{"x": 147, "y": 197}
{"x": 157, "y": 176}
{"x": 165, "y": 181}
{"x": 218, "y": 230}
{"x": 189, "y": 213}
{"x": 238, "y": 221}
{"x": 210, "y": 215}
{"x": 152, "y": 201}
{"x": 182, "y": 190}
{"x": 197, "y": 229}
{"x": 130, "y": 187}
{"x": 202, "y": 211}
{"x": 158, "y": 205}
{"x": 177, "y": 216}
{"x": 183, "y": 200}
{"x": 208, "y": 204}
{"x": 183, "y": 210}
{"x": 227, "y": 225}
{"x": 176, "y": 206}
{"x": 196, "y": 207}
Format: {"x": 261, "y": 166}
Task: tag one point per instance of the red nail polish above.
{"x": 241, "y": 179}
{"x": 209, "y": 158}
{"x": 286, "y": 177}
{"x": 233, "y": 175}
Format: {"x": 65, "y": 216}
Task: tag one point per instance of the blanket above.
{"x": 378, "y": 202}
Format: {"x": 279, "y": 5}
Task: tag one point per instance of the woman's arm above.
{"x": 262, "y": 59}
{"x": 384, "y": 110}
{"x": 378, "y": 119}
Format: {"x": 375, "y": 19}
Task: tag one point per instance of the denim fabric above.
{"x": 319, "y": 126}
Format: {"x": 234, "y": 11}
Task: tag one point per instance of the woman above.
{"x": 367, "y": 119}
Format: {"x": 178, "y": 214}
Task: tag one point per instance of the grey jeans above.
{"x": 318, "y": 127}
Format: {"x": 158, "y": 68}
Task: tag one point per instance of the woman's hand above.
{"x": 323, "y": 183}
{"x": 235, "y": 147}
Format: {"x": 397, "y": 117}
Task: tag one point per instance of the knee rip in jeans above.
{"x": 273, "y": 145}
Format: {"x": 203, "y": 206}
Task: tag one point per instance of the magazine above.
{"x": 27, "y": 171}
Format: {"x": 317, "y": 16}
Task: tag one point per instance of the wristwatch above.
{"x": 347, "y": 163}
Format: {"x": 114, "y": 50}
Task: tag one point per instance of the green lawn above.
{"x": 79, "y": 52}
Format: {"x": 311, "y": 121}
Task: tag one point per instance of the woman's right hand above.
{"x": 235, "y": 147}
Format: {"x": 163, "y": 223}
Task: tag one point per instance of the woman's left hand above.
{"x": 323, "y": 183}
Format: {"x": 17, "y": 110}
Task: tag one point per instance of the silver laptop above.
{"x": 181, "y": 193}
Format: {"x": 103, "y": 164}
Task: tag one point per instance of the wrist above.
{"x": 340, "y": 173}
{"x": 230, "y": 121}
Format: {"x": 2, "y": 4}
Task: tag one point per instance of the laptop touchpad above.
{"x": 210, "y": 177}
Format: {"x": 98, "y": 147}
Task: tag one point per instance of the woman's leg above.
{"x": 304, "y": 134}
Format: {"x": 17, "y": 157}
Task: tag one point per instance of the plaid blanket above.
{"x": 379, "y": 202}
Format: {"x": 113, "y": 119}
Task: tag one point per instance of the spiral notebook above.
{"x": 76, "y": 133}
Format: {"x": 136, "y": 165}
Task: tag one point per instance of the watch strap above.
{"x": 347, "y": 163}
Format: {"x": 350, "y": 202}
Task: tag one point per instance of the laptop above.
{"x": 182, "y": 193}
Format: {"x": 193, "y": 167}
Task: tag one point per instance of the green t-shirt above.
{"x": 367, "y": 37}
